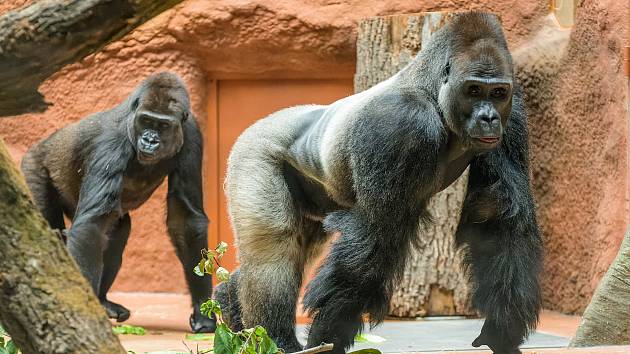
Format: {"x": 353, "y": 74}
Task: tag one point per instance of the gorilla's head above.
{"x": 160, "y": 107}
{"x": 476, "y": 92}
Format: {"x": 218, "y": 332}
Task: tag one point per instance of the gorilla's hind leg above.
{"x": 268, "y": 292}
{"x": 45, "y": 195}
{"x": 112, "y": 259}
{"x": 227, "y": 295}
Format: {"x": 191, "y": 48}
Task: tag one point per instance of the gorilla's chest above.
{"x": 452, "y": 164}
{"x": 138, "y": 186}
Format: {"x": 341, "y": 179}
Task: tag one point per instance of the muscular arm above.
{"x": 394, "y": 156}
{"x": 187, "y": 221}
{"x": 99, "y": 204}
{"x": 499, "y": 233}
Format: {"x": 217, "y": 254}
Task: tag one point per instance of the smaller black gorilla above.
{"x": 96, "y": 170}
{"x": 367, "y": 166}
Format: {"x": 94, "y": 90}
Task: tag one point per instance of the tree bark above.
{"x": 433, "y": 282}
{"x": 38, "y": 40}
{"x": 47, "y": 305}
{"x": 606, "y": 320}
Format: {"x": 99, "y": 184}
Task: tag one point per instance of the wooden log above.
{"x": 38, "y": 40}
{"x": 433, "y": 283}
{"x": 45, "y": 303}
{"x": 605, "y": 321}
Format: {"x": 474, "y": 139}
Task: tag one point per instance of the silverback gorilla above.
{"x": 96, "y": 170}
{"x": 366, "y": 166}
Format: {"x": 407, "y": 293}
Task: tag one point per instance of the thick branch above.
{"x": 38, "y": 40}
{"x": 324, "y": 347}
{"x": 47, "y": 306}
{"x": 605, "y": 321}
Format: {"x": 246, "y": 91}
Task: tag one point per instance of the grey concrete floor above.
{"x": 437, "y": 335}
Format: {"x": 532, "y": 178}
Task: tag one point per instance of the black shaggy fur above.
{"x": 95, "y": 171}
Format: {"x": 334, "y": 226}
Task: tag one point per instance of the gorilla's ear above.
{"x": 185, "y": 116}
{"x": 134, "y": 104}
{"x": 446, "y": 72}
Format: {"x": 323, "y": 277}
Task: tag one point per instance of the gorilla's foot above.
{"x": 495, "y": 345}
{"x": 114, "y": 310}
{"x": 200, "y": 323}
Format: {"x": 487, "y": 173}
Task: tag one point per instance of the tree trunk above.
{"x": 606, "y": 320}
{"x": 433, "y": 282}
{"x": 46, "y": 304}
{"x": 38, "y": 40}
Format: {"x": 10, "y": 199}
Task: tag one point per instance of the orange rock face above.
{"x": 576, "y": 99}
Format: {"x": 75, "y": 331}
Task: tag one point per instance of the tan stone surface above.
{"x": 576, "y": 95}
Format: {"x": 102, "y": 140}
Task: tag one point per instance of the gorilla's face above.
{"x": 476, "y": 97}
{"x": 157, "y": 124}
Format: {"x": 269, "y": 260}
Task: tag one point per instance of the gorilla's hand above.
{"x": 200, "y": 323}
{"x": 496, "y": 340}
{"x": 116, "y": 311}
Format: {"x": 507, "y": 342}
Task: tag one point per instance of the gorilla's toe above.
{"x": 200, "y": 323}
{"x": 114, "y": 310}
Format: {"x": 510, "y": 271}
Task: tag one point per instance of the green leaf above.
{"x": 11, "y": 348}
{"x": 366, "y": 351}
{"x": 267, "y": 346}
{"x": 209, "y": 266}
{"x": 223, "y": 340}
{"x": 369, "y": 338}
{"x": 222, "y": 274}
{"x": 237, "y": 344}
{"x": 128, "y": 329}
{"x": 260, "y": 331}
{"x": 209, "y": 307}
{"x": 200, "y": 337}
{"x": 198, "y": 271}
{"x": 221, "y": 248}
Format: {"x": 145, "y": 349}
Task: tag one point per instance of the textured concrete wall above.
{"x": 578, "y": 120}
{"x": 576, "y": 95}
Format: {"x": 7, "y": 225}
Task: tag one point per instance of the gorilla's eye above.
{"x": 164, "y": 126}
{"x": 474, "y": 90}
{"x": 499, "y": 93}
{"x": 145, "y": 121}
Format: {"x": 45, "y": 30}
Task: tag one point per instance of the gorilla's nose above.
{"x": 150, "y": 140}
{"x": 489, "y": 118}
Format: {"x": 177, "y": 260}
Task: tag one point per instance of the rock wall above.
{"x": 576, "y": 98}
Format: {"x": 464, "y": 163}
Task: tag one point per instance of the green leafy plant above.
{"x": 7, "y": 345}
{"x": 128, "y": 329}
{"x": 201, "y": 337}
{"x": 252, "y": 340}
{"x": 248, "y": 341}
{"x": 369, "y": 338}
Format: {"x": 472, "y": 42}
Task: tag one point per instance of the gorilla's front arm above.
{"x": 393, "y": 166}
{"x": 187, "y": 221}
{"x": 499, "y": 233}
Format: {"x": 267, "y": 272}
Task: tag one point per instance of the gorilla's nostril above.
{"x": 488, "y": 118}
{"x": 150, "y": 141}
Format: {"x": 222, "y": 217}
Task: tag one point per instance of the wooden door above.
{"x": 234, "y": 105}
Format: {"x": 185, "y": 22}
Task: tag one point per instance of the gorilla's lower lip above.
{"x": 146, "y": 155}
{"x": 489, "y": 140}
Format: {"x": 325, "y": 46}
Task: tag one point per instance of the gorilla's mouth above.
{"x": 145, "y": 156}
{"x": 489, "y": 140}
